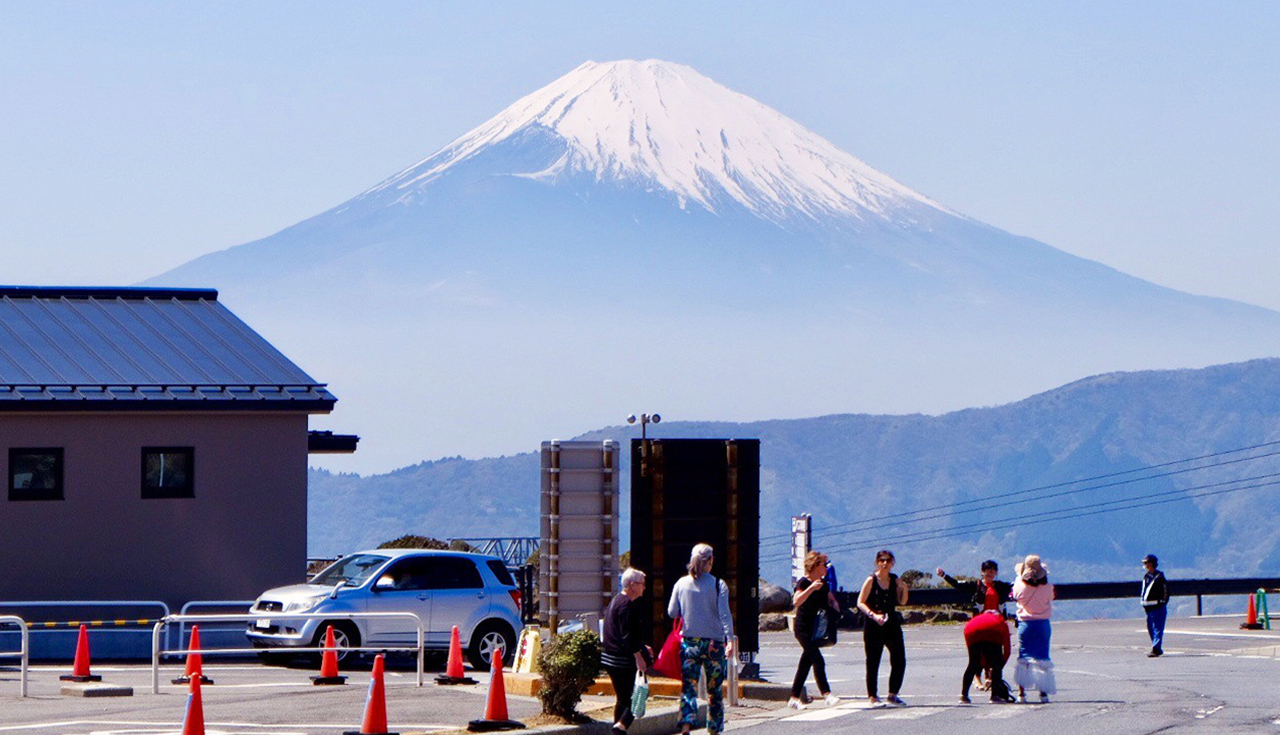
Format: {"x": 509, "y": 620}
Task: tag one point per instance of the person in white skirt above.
{"x": 1034, "y": 594}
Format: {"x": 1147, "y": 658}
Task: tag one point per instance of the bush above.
{"x": 410, "y": 541}
{"x": 568, "y": 664}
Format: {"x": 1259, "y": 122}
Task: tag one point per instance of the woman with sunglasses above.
{"x": 881, "y": 595}
{"x": 811, "y": 598}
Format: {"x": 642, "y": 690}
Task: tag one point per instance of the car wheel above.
{"x": 345, "y": 637}
{"x": 488, "y": 637}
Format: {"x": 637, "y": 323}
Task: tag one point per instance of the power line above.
{"x": 944, "y": 506}
{"x": 1061, "y": 514}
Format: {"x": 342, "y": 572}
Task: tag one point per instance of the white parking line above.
{"x": 819, "y": 714}
{"x": 1004, "y": 712}
{"x": 1209, "y": 634}
{"x": 910, "y": 713}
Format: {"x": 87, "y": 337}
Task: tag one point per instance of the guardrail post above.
{"x": 24, "y": 651}
{"x": 422, "y": 654}
{"x": 1199, "y": 605}
{"x": 155, "y": 657}
{"x": 733, "y": 674}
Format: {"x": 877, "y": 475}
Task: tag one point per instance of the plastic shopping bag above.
{"x": 668, "y": 662}
{"x": 640, "y": 695}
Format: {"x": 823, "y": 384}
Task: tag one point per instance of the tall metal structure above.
{"x": 689, "y": 491}
{"x": 578, "y": 569}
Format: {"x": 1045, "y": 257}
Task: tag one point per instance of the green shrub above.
{"x": 568, "y": 664}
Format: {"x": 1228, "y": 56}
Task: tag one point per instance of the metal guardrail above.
{"x": 106, "y": 623}
{"x": 24, "y": 653}
{"x": 186, "y": 610}
{"x": 1198, "y": 588}
{"x": 157, "y": 652}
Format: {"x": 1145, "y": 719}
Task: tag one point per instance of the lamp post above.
{"x": 645, "y": 419}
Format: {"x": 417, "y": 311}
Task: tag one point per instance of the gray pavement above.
{"x": 1214, "y": 678}
{"x": 246, "y": 698}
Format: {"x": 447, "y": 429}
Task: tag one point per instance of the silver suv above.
{"x": 444, "y": 588}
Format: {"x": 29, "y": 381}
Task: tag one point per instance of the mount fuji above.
{"x": 635, "y": 236}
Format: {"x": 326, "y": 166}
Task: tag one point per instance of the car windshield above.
{"x": 353, "y": 570}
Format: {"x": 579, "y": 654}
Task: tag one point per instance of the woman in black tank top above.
{"x": 881, "y": 595}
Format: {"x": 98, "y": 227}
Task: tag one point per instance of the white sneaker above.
{"x": 795, "y": 703}
{"x": 831, "y": 700}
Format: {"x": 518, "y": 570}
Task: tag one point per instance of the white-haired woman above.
{"x": 702, "y": 601}
{"x": 625, "y": 653}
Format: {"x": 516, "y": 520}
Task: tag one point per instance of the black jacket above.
{"x": 977, "y": 589}
{"x": 1155, "y": 591}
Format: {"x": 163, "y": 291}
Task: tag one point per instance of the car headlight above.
{"x": 304, "y": 604}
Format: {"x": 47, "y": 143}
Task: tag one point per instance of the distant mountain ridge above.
{"x": 849, "y": 468}
{"x": 635, "y": 232}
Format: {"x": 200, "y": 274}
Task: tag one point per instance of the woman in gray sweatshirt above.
{"x": 706, "y": 638}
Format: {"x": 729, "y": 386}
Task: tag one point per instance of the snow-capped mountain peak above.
{"x": 660, "y": 125}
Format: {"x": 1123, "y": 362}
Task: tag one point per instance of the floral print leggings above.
{"x": 697, "y": 654}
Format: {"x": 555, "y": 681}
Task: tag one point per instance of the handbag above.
{"x": 640, "y": 695}
{"x": 668, "y": 661}
{"x": 824, "y": 628}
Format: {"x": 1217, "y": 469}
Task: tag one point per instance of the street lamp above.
{"x": 645, "y": 419}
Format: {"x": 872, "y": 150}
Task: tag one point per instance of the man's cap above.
{"x": 1150, "y": 558}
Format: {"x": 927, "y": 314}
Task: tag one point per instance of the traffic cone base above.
{"x": 446, "y": 680}
{"x": 328, "y": 680}
{"x": 81, "y": 679}
{"x": 489, "y": 726}
{"x": 186, "y": 680}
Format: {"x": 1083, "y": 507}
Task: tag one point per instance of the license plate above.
{"x": 262, "y": 624}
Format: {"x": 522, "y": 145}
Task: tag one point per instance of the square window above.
{"x": 35, "y": 474}
{"x": 168, "y": 472}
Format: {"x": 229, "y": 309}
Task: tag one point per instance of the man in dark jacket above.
{"x": 1155, "y": 600}
{"x": 978, "y": 589}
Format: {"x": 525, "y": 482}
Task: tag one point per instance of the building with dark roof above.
{"x": 153, "y": 447}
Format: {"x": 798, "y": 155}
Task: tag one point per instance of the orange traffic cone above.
{"x": 195, "y": 663}
{"x": 1251, "y": 619}
{"x": 375, "y": 707}
{"x": 193, "y": 721}
{"x": 329, "y": 662}
{"x": 453, "y": 673}
{"x": 495, "y": 707}
{"x": 80, "y": 671}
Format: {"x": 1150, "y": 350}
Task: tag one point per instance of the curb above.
{"x": 663, "y": 721}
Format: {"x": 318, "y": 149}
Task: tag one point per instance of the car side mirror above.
{"x": 384, "y": 583}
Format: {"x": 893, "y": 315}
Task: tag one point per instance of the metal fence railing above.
{"x": 1198, "y": 588}
{"x": 157, "y": 652}
{"x": 209, "y": 605}
{"x": 23, "y": 654}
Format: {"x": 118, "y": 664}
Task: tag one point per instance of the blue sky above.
{"x": 136, "y": 136}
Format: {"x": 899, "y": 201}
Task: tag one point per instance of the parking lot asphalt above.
{"x": 1214, "y": 678}
{"x": 246, "y": 698}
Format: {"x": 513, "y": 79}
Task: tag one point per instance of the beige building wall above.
{"x": 243, "y": 532}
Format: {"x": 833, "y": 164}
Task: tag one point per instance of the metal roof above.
{"x": 115, "y": 349}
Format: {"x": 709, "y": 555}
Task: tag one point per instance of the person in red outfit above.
{"x": 987, "y": 638}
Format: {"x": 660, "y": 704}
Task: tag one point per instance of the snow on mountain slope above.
{"x": 662, "y": 125}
